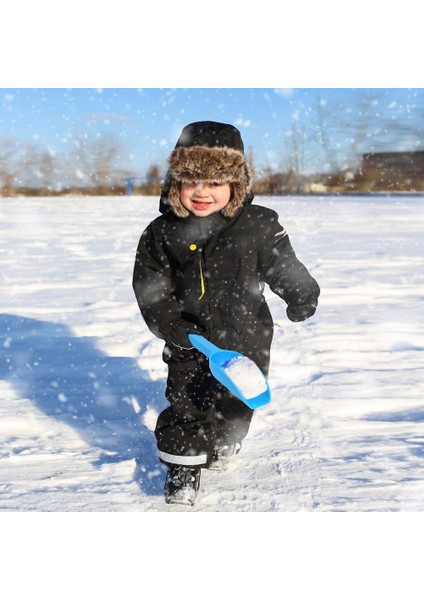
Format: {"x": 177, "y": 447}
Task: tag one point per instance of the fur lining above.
{"x": 213, "y": 165}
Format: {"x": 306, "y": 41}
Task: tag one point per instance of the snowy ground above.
{"x": 82, "y": 381}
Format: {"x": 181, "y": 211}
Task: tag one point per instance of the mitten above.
{"x": 177, "y": 334}
{"x": 302, "y": 310}
{"x": 300, "y": 313}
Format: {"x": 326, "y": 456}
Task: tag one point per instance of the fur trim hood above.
{"x": 210, "y": 163}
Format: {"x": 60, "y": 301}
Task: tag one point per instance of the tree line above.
{"x": 332, "y": 140}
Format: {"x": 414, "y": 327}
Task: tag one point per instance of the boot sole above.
{"x": 180, "y": 501}
{"x": 218, "y": 466}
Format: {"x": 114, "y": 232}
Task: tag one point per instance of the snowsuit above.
{"x": 210, "y": 272}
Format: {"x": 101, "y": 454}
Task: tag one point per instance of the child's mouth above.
{"x": 201, "y": 205}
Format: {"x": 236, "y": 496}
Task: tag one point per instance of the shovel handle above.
{"x": 202, "y": 344}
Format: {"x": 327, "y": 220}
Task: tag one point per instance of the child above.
{"x": 201, "y": 268}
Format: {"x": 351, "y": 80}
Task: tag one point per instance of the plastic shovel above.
{"x": 221, "y": 363}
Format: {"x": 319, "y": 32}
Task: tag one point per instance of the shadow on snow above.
{"x": 68, "y": 378}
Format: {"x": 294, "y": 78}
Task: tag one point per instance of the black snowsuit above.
{"x": 210, "y": 271}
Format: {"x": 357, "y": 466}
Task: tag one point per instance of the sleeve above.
{"x": 286, "y": 276}
{"x": 152, "y": 284}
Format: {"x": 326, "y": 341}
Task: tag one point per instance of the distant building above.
{"x": 392, "y": 171}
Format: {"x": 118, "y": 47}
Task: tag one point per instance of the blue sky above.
{"x": 147, "y": 122}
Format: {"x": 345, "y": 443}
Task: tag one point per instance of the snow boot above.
{"x": 221, "y": 456}
{"x": 182, "y": 484}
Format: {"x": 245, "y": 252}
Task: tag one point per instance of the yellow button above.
{"x": 193, "y": 247}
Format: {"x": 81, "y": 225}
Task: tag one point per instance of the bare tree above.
{"x": 152, "y": 186}
{"x": 97, "y": 161}
{"x": 348, "y": 129}
{"x": 35, "y": 169}
{"x": 295, "y": 153}
{"x": 47, "y": 169}
{"x": 8, "y": 156}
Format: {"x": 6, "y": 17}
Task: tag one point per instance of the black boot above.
{"x": 182, "y": 484}
{"x": 221, "y": 456}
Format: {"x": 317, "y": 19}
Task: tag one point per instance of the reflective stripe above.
{"x": 183, "y": 460}
{"x": 202, "y": 281}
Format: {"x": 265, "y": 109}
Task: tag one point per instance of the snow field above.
{"x": 82, "y": 378}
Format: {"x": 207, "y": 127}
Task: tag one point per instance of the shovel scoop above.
{"x": 238, "y": 373}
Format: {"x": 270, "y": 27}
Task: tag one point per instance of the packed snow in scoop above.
{"x": 246, "y": 376}
{"x": 236, "y": 372}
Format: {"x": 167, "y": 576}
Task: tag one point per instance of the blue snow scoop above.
{"x": 220, "y": 362}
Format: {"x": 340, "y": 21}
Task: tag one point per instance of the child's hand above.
{"x": 301, "y": 311}
{"x": 177, "y": 334}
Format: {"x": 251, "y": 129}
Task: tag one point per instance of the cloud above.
{"x": 284, "y": 92}
{"x": 243, "y": 122}
{"x": 106, "y": 118}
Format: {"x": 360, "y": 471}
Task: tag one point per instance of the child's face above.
{"x": 203, "y": 199}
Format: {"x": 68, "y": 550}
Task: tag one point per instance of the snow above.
{"x": 246, "y": 376}
{"x": 82, "y": 380}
